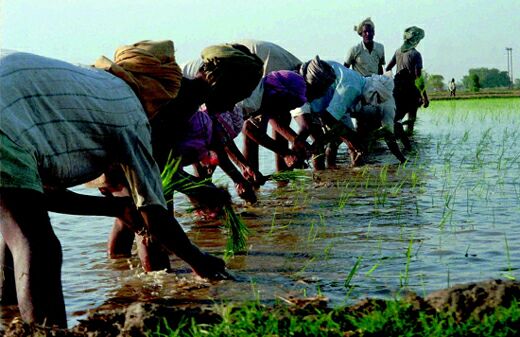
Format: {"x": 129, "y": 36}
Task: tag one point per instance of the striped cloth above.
{"x": 75, "y": 121}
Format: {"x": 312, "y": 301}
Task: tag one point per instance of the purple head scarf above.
{"x": 285, "y": 84}
{"x": 197, "y": 138}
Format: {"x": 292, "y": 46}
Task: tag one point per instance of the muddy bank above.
{"x": 473, "y": 300}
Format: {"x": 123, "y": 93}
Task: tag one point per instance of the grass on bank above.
{"x": 381, "y": 318}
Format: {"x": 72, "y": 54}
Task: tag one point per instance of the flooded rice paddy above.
{"x": 450, "y": 215}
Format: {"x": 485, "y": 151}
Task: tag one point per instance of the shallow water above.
{"x": 450, "y": 215}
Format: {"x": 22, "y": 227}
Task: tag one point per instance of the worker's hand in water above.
{"x": 210, "y": 267}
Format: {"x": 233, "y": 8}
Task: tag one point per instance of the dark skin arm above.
{"x": 305, "y": 124}
{"x": 243, "y": 187}
{"x": 164, "y": 230}
{"x": 300, "y": 146}
{"x": 338, "y": 129}
{"x": 260, "y": 136}
{"x": 153, "y": 222}
{"x": 69, "y": 202}
{"x": 247, "y": 170}
{"x": 393, "y": 147}
{"x": 391, "y": 64}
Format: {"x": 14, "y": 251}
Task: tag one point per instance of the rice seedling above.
{"x": 465, "y": 137}
{"x": 255, "y": 290}
{"x": 273, "y": 222}
{"x": 306, "y": 265}
{"x": 237, "y": 232}
{"x": 347, "y": 284}
{"x": 446, "y": 218}
{"x": 313, "y": 232}
{"x": 327, "y": 251}
{"x": 345, "y": 196}
{"x": 509, "y": 274}
{"x": 291, "y": 176}
{"x": 404, "y": 277}
{"x": 236, "y": 228}
{"x": 448, "y": 277}
{"x": 371, "y": 270}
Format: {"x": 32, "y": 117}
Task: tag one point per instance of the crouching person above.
{"x": 63, "y": 125}
{"x": 375, "y": 114}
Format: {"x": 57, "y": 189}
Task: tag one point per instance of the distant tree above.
{"x": 435, "y": 82}
{"x": 517, "y": 83}
{"x": 473, "y": 83}
{"x": 488, "y": 78}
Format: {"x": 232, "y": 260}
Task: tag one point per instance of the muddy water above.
{"x": 450, "y": 215}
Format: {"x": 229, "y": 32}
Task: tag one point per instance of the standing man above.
{"x": 409, "y": 92}
{"x": 367, "y": 57}
{"x": 452, "y": 87}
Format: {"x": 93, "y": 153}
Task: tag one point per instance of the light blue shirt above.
{"x": 343, "y": 95}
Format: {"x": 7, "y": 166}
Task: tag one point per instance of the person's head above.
{"x": 150, "y": 69}
{"x": 412, "y": 36}
{"x": 227, "y": 125}
{"x": 232, "y": 72}
{"x": 284, "y": 90}
{"x": 209, "y": 200}
{"x": 318, "y": 75}
{"x": 194, "y": 146}
{"x": 366, "y": 29}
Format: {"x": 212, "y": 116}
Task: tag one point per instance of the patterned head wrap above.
{"x": 367, "y": 22}
{"x": 318, "y": 74}
{"x": 412, "y": 36}
{"x": 232, "y": 72}
{"x": 286, "y": 85}
{"x": 150, "y": 69}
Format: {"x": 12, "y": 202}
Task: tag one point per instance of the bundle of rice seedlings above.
{"x": 168, "y": 183}
{"x": 237, "y": 232}
{"x": 236, "y": 228}
{"x": 293, "y": 175}
{"x": 180, "y": 183}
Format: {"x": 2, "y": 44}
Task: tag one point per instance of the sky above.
{"x": 460, "y": 34}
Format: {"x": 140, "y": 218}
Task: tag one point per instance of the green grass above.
{"x": 376, "y": 318}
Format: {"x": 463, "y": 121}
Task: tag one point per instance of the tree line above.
{"x": 477, "y": 78}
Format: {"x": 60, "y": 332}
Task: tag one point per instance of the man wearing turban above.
{"x": 232, "y": 73}
{"x": 332, "y": 89}
{"x": 409, "y": 92}
{"x": 348, "y": 94}
{"x": 101, "y": 122}
{"x": 274, "y": 58}
{"x": 283, "y": 91}
{"x": 183, "y": 129}
{"x": 150, "y": 69}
